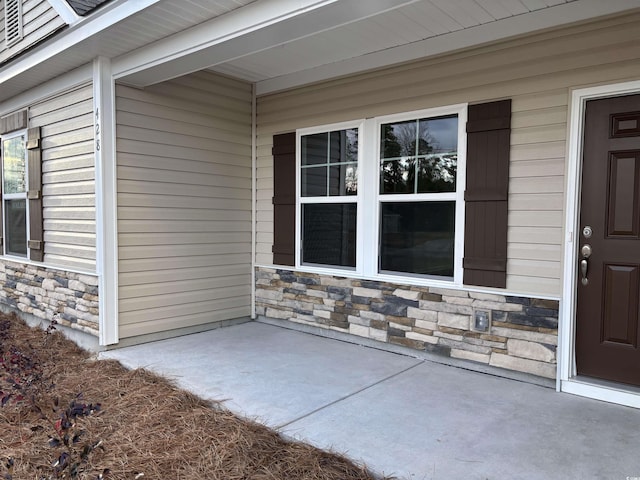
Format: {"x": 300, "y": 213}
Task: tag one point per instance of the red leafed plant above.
{"x": 23, "y": 383}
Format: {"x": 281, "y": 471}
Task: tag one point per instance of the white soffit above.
{"x": 264, "y": 67}
{"x": 281, "y": 44}
{"x": 255, "y": 28}
{"x": 118, "y": 27}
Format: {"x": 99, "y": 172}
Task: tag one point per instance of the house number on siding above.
{"x": 97, "y": 129}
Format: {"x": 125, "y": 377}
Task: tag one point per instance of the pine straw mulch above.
{"x": 67, "y": 415}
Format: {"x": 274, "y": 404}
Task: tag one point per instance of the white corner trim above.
{"x": 65, "y": 11}
{"x": 566, "y": 13}
{"x": 106, "y": 205}
{"x": 566, "y": 331}
{"x": 254, "y": 195}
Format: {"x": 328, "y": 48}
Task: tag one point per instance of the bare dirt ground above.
{"x": 64, "y": 414}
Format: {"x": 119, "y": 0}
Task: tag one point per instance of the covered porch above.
{"x": 402, "y": 415}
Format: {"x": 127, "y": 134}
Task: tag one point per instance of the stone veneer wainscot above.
{"x": 523, "y": 334}
{"x": 47, "y": 293}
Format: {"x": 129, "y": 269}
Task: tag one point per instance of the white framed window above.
{"x": 328, "y": 178}
{"x": 406, "y": 204}
{"x": 15, "y": 207}
{"x": 420, "y": 196}
{"x": 12, "y": 21}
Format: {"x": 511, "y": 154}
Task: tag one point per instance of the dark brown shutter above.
{"x": 284, "y": 198}
{"x": 488, "y": 146}
{"x": 34, "y": 195}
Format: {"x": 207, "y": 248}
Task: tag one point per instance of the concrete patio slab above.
{"x": 441, "y": 422}
{"x": 399, "y": 415}
{"x": 268, "y": 373}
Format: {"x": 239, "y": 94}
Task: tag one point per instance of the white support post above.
{"x": 254, "y": 175}
{"x": 106, "y": 191}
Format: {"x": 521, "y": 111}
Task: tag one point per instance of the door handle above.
{"x": 586, "y": 251}
{"x": 584, "y": 266}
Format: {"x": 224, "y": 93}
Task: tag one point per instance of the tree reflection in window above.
{"x": 419, "y": 156}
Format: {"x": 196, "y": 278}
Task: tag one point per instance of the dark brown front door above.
{"x": 608, "y": 313}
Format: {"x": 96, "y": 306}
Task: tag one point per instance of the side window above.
{"x": 14, "y": 194}
{"x": 417, "y": 195}
{"x": 328, "y": 179}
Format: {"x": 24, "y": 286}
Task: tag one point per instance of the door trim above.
{"x": 567, "y": 380}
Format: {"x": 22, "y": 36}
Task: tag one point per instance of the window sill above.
{"x": 382, "y": 277}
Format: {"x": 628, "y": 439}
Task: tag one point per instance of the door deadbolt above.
{"x": 586, "y": 251}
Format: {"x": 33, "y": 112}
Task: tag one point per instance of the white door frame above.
{"x": 567, "y": 379}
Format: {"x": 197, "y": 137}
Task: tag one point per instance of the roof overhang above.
{"x": 282, "y": 44}
{"x": 232, "y": 40}
{"x": 69, "y": 49}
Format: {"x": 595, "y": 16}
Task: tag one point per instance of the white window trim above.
{"x": 357, "y": 199}
{"x": 367, "y": 224}
{"x": 15, "y": 196}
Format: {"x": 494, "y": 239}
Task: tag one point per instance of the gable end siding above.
{"x": 39, "y": 20}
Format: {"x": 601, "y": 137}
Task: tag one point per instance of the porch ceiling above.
{"x": 342, "y": 37}
{"x": 279, "y": 44}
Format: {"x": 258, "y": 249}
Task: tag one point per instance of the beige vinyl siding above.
{"x": 39, "y": 20}
{"x": 184, "y": 203}
{"x": 68, "y": 177}
{"x": 536, "y": 72}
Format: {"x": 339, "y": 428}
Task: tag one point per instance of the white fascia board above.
{"x": 577, "y": 11}
{"x": 65, "y": 11}
{"x": 104, "y": 18}
{"x": 248, "y": 30}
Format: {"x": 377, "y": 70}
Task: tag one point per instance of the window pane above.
{"x": 16, "y": 227}
{"x": 15, "y": 174}
{"x": 438, "y": 135}
{"x": 417, "y": 237}
{"x": 398, "y": 139}
{"x": 344, "y": 146}
{"x": 314, "y": 182}
{"x": 329, "y": 164}
{"x": 329, "y": 234}
{"x": 437, "y": 173}
{"x": 427, "y": 148}
{"x": 343, "y": 179}
{"x": 398, "y": 176}
{"x": 314, "y": 149}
